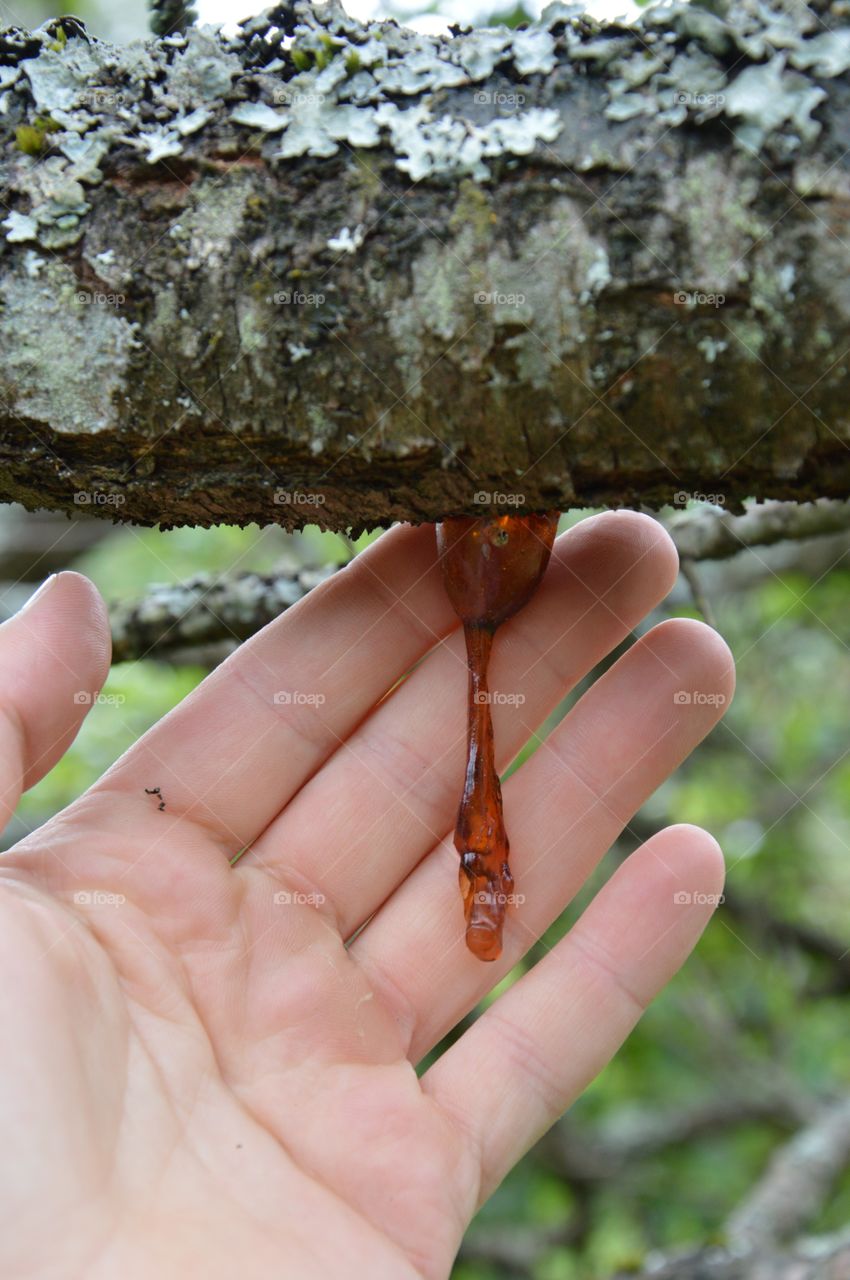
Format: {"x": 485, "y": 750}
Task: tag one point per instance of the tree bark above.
{"x": 344, "y": 275}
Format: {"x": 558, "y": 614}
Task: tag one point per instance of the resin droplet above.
{"x": 491, "y": 568}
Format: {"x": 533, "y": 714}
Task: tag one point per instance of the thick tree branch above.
{"x": 322, "y": 271}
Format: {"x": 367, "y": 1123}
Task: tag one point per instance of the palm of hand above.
{"x": 203, "y": 1074}
{"x": 257, "y": 1106}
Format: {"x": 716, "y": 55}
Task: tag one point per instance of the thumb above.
{"x": 54, "y": 656}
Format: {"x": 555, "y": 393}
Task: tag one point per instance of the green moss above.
{"x": 473, "y": 210}
{"x": 716, "y": 200}
{"x": 328, "y": 51}
{"x": 365, "y": 175}
{"x": 305, "y": 59}
{"x": 32, "y": 138}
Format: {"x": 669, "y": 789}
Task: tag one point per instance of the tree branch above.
{"x": 327, "y": 272}
{"x": 204, "y": 610}
{"x": 712, "y": 534}
{"x": 791, "y": 1192}
{"x": 798, "y": 934}
{"x": 796, "y": 1184}
{"x": 810, "y": 1260}
{"x": 627, "y": 1137}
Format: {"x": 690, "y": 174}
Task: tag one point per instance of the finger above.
{"x": 400, "y": 773}
{"x": 233, "y": 752}
{"x": 533, "y": 1052}
{"x": 563, "y": 810}
{"x": 54, "y": 656}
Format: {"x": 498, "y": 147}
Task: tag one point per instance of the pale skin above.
{"x": 197, "y": 1078}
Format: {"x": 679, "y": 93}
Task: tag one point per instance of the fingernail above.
{"x": 37, "y": 595}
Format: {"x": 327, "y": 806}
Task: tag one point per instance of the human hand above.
{"x": 199, "y": 1079}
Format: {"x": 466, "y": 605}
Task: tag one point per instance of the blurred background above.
{"x": 747, "y": 1049}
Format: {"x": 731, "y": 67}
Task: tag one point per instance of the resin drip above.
{"x": 491, "y": 568}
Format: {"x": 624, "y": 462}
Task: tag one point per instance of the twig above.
{"x": 700, "y": 599}
{"x": 629, "y": 1136}
{"x": 797, "y": 1182}
{"x": 710, "y": 534}
{"x": 205, "y": 610}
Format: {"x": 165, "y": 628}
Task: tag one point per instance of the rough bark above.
{"x": 654, "y": 216}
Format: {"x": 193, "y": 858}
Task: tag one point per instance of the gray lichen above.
{"x": 46, "y": 324}
{"x": 530, "y": 304}
{"x": 333, "y": 83}
{"x": 475, "y": 213}
{"x": 767, "y": 97}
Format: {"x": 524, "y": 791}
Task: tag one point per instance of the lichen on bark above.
{"x": 325, "y": 271}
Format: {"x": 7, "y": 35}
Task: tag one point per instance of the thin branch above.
{"x": 205, "y": 610}
{"x": 629, "y": 1136}
{"x": 796, "y": 1183}
{"x": 708, "y": 533}
{"x": 700, "y": 599}
{"x": 818, "y": 1259}
{"x": 806, "y": 937}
